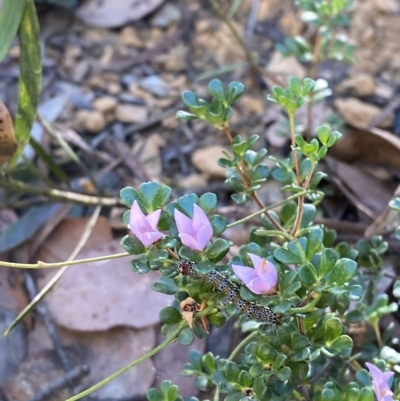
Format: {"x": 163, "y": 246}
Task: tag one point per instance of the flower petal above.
{"x": 267, "y": 272}
{"x": 152, "y": 218}
{"x": 190, "y": 242}
{"x": 259, "y": 286}
{"x": 200, "y": 219}
{"x": 204, "y": 235}
{"x": 150, "y": 238}
{"x": 137, "y": 219}
{"x": 183, "y": 223}
{"x": 376, "y": 373}
{"x": 256, "y": 260}
{"x": 246, "y": 274}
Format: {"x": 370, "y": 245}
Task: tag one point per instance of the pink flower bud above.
{"x": 194, "y": 233}
{"x": 262, "y": 279}
{"x": 380, "y": 382}
{"x": 145, "y": 227}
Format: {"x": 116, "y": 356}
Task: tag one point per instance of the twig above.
{"x": 35, "y": 301}
{"x": 58, "y": 347}
{"x": 44, "y": 265}
{"x": 60, "y": 195}
{"x": 154, "y": 120}
{"x": 151, "y": 353}
{"x": 252, "y": 19}
{"x": 65, "y": 145}
{"x": 61, "y": 382}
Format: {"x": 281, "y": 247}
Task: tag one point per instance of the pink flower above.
{"x": 260, "y": 280}
{"x": 144, "y": 227}
{"x": 380, "y": 382}
{"x": 194, "y": 233}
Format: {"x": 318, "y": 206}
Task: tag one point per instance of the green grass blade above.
{"x": 10, "y": 18}
{"x": 51, "y": 164}
{"x": 30, "y": 78}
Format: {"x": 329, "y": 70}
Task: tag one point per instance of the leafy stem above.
{"x": 130, "y": 365}
{"x": 244, "y": 175}
{"x": 251, "y": 216}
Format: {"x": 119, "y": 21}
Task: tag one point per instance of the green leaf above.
{"x": 307, "y": 274}
{"x": 217, "y": 319}
{"x": 129, "y": 195}
{"x": 155, "y": 194}
{"x": 343, "y": 271}
{"x": 203, "y": 382}
{"x": 363, "y": 377}
{"x": 204, "y": 267}
{"x": 217, "y": 250}
{"x": 208, "y": 202}
{"x": 333, "y": 329}
{"x": 354, "y": 316}
{"x": 186, "y": 336}
{"x": 328, "y": 395}
{"x": 366, "y": 394}
{"x": 132, "y": 245}
{"x": 153, "y": 394}
{"x": 309, "y": 212}
{"x": 170, "y": 315}
{"x": 235, "y": 89}
{"x": 300, "y": 355}
{"x": 190, "y": 99}
{"x": 284, "y": 255}
{"x": 323, "y": 134}
{"x": 209, "y": 363}
{"x": 186, "y": 203}
{"x": 195, "y": 358}
{"x": 328, "y": 260}
{"x": 189, "y": 254}
{"x": 218, "y": 223}
{"x": 288, "y": 212}
{"x": 10, "y": 18}
{"x": 231, "y": 372}
{"x": 172, "y": 393}
{"x": 245, "y": 379}
{"x": 342, "y": 345}
{"x": 141, "y": 265}
{"x": 314, "y": 242}
{"x": 216, "y": 89}
{"x": 259, "y": 387}
{"x": 165, "y": 285}
{"x": 295, "y": 85}
{"x": 30, "y": 76}
{"x": 184, "y": 115}
{"x": 237, "y": 396}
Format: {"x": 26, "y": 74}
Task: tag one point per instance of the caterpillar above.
{"x": 232, "y": 292}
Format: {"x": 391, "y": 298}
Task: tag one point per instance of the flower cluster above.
{"x": 196, "y": 233}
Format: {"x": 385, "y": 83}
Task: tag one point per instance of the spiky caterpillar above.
{"x": 232, "y": 292}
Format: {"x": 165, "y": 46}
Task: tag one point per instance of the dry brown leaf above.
{"x": 374, "y": 146}
{"x": 8, "y": 143}
{"x": 367, "y": 193}
{"x": 114, "y": 13}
